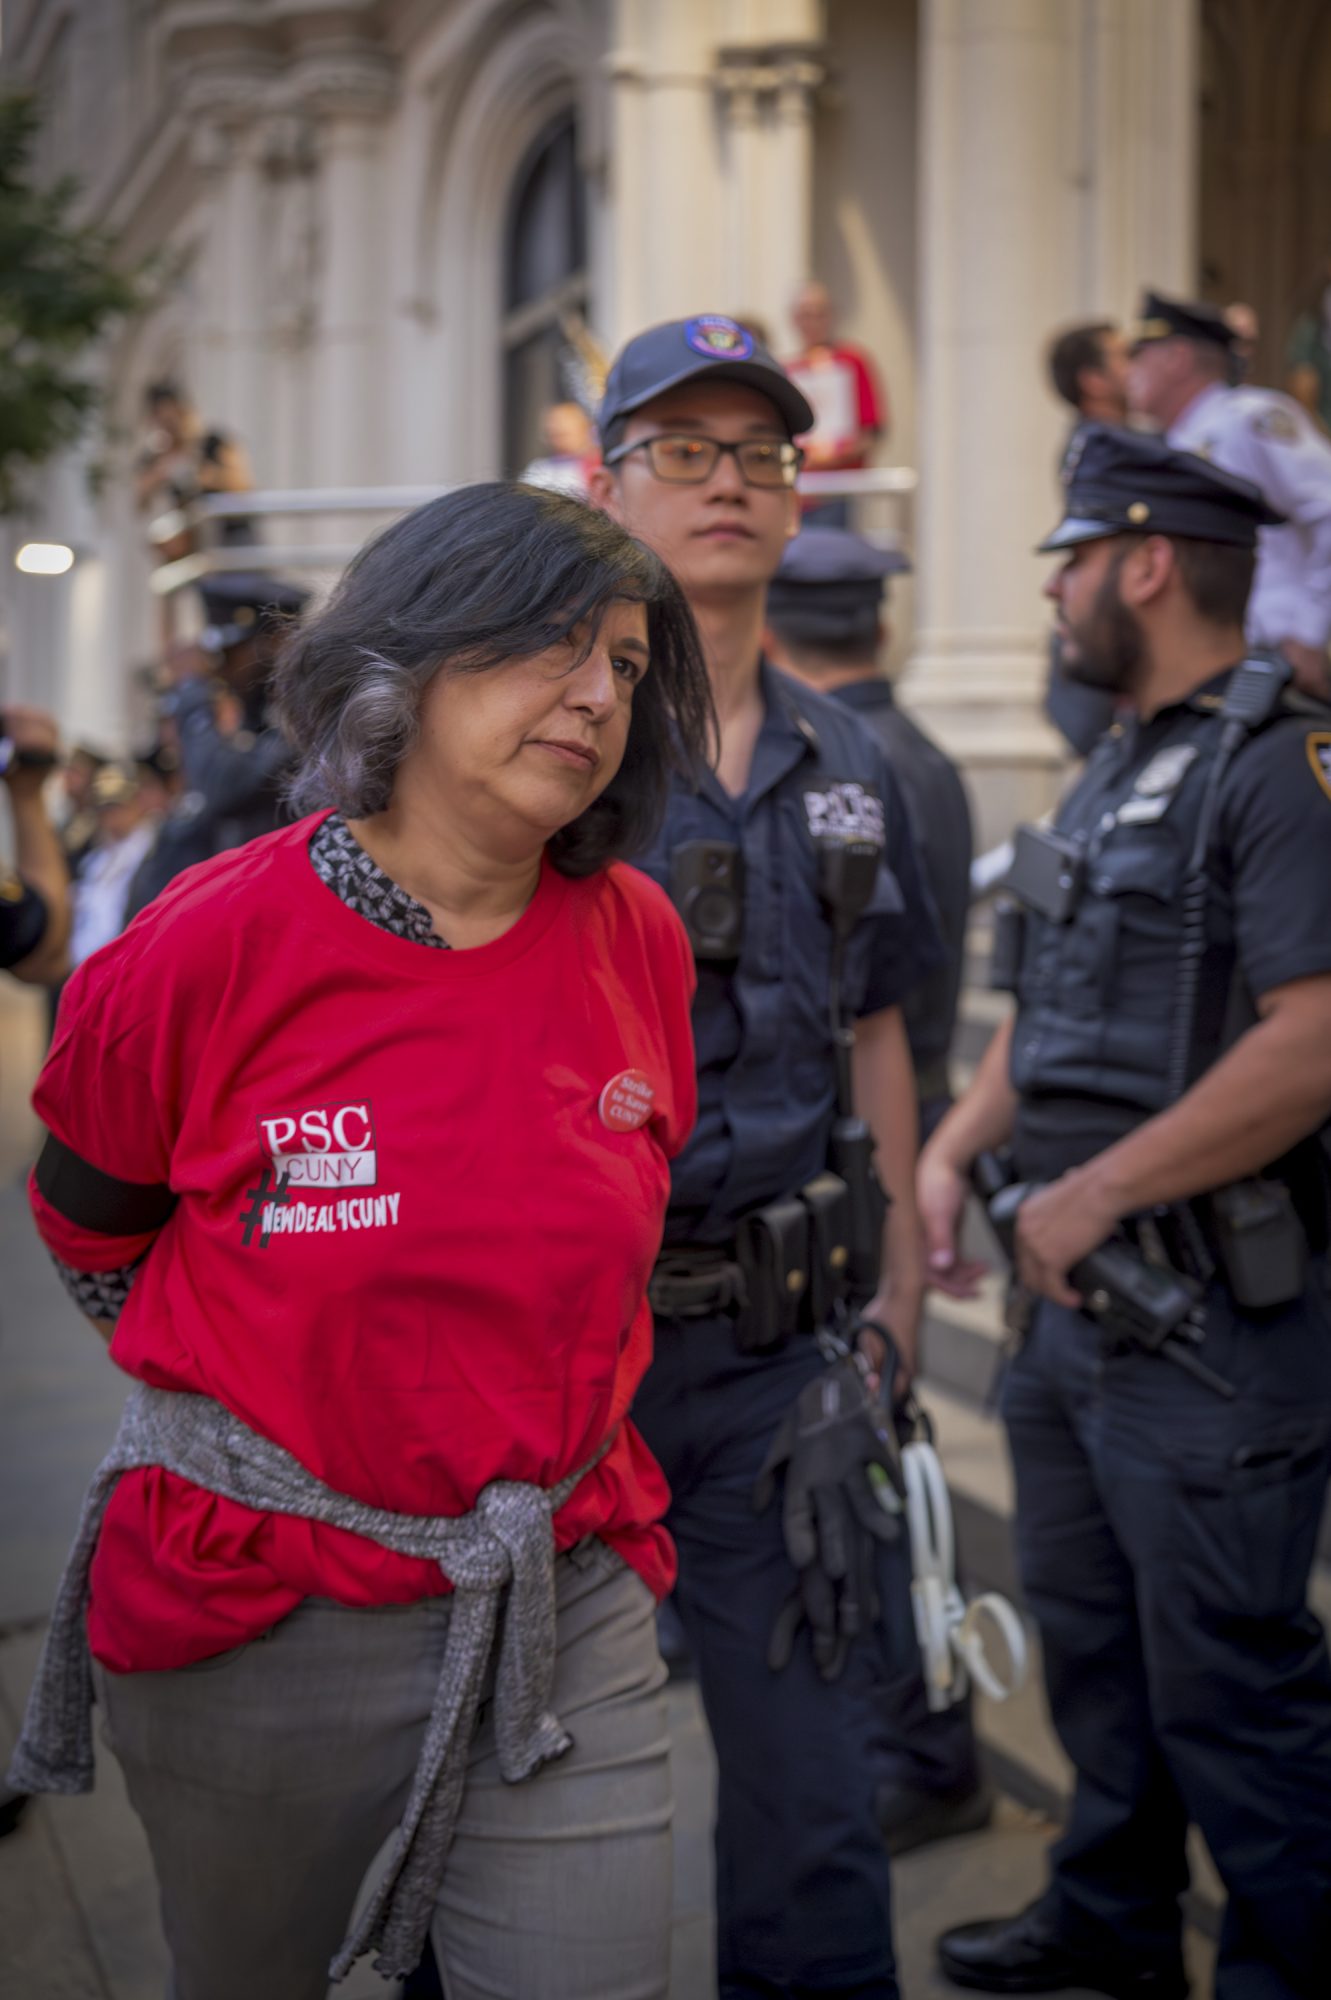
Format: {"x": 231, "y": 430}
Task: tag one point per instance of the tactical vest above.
{"x": 1104, "y": 913}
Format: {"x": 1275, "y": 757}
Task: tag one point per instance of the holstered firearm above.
{"x": 1133, "y": 1302}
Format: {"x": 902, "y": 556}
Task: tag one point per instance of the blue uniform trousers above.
{"x": 1166, "y": 1538}
{"x": 803, "y": 1906}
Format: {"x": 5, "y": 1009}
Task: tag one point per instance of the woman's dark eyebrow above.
{"x": 633, "y": 646}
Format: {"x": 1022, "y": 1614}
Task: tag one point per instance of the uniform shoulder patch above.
{"x": 1319, "y": 757}
{"x": 1277, "y": 423}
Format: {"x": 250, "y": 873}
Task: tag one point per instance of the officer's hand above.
{"x": 35, "y": 738}
{"x": 941, "y": 1190}
{"x": 895, "y": 1349}
{"x": 1056, "y": 1227}
{"x": 838, "y": 1450}
{"x": 1311, "y": 672}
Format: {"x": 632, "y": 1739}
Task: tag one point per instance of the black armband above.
{"x": 90, "y": 1199}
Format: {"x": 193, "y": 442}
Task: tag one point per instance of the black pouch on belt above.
{"x": 772, "y": 1250}
{"x": 1259, "y": 1243}
{"x": 827, "y": 1199}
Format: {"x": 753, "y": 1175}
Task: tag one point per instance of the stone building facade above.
{"x": 375, "y": 212}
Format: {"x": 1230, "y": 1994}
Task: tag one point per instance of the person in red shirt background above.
{"x": 361, "y": 1133}
{"x": 848, "y": 400}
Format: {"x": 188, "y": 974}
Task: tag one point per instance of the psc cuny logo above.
{"x": 330, "y": 1146}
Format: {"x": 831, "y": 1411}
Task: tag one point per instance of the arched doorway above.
{"x": 544, "y": 278}
{"x": 1265, "y": 160}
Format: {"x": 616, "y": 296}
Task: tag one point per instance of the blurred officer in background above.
{"x": 125, "y": 832}
{"x": 1181, "y": 377}
{"x": 1163, "y": 1084}
{"x": 825, "y": 626}
{"x": 697, "y": 430}
{"x": 233, "y": 759}
{"x": 34, "y": 893}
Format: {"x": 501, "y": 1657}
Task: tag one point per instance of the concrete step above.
{"x": 1016, "y": 1736}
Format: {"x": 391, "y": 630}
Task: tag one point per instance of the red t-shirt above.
{"x": 840, "y": 386}
{"x": 450, "y": 1285}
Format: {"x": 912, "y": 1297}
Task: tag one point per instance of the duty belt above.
{"x": 695, "y": 1283}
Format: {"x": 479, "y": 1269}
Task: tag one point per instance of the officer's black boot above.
{"x": 1026, "y": 1954}
{"x": 11, "y": 1809}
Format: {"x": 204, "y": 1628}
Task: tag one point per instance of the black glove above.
{"x": 831, "y": 1515}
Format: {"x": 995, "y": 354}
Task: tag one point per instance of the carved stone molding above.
{"x": 339, "y": 83}
{"x": 784, "y": 75}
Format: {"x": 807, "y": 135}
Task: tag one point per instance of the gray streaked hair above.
{"x": 477, "y": 578}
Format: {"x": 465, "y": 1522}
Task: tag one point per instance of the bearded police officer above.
{"x": 793, "y": 867}
{"x": 1164, "y": 1085}
{"x": 1181, "y": 376}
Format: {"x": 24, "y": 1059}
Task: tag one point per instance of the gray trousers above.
{"x": 268, "y": 1778}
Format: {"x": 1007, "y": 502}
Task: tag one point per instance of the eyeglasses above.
{"x": 691, "y": 461}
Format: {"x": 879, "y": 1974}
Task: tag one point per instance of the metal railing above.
{"x": 374, "y": 505}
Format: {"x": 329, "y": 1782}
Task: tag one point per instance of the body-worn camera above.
{"x": 707, "y": 888}
{"x": 1047, "y": 874}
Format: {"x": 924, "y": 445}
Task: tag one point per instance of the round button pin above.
{"x": 626, "y": 1101}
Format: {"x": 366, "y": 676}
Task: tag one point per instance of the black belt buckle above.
{"x": 695, "y": 1284}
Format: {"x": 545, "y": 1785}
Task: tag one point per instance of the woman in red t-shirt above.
{"x": 366, "y": 1126}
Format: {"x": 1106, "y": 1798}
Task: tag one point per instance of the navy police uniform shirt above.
{"x": 940, "y": 819}
{"x": 766, "y": 1074}
{"x": 1096, "y": 995}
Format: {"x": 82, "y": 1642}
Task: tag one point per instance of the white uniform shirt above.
{"x": 1267, "y": 438}
{"x": 100, "y": 891}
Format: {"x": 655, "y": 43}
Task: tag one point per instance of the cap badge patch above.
{"x": 718, "y": 337}
{"x": 1139, "y": 512}
{"x": 1319, "y": 756}
{"x": 626, "y": 1102}
{"x": 1166, "y": 771}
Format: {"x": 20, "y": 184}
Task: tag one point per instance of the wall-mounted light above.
{"x": 44, "y": 558}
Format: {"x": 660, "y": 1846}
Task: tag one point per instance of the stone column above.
{"x": 347, "y": 99}
{"x": 1027, "y": 131}
{"x": 226, "y": 361}
{"x": 712, "y": 157}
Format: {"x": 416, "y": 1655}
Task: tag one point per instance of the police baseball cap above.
{"x": 683, "y": 350}
{"x": 1180, "y": 319}
{"x": 1122, "y": 482}
{"x": 830, "y": 586}
{"x": 238, "y": 607}
{"x": 114, "y": 785}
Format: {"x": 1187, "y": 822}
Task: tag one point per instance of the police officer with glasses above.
{"x": 1164, "y": 1087}
{"x": 781, "y": 1292}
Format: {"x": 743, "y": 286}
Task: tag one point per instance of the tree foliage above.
{"x": 59, "y": 290}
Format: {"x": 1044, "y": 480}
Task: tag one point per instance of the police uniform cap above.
{"x": 829, "y": 588}
{"x": 1121, "y": 482}
{"x": 114, "y": 785}
{"x": 241, "y": 606}
{"x": 1180, "y": 319}
{"x": 711, "y": 346}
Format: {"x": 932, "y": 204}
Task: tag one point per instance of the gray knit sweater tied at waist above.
{"x": 505, "y": 1543}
